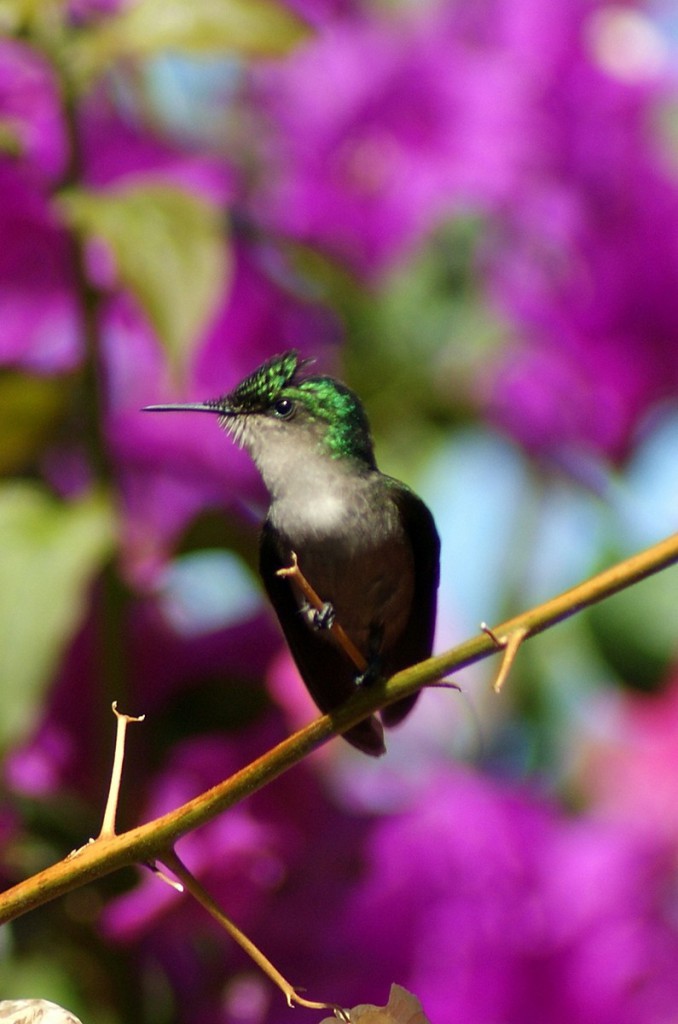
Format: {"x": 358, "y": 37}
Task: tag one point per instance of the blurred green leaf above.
{"x": 12, "y": 15}
{"x": 253, "y": 28}
{"x": 10, "y": 138}
{"x": 170, "y": 252}
{"x": 636, "y": 630}
{"x": 29, "y": 407}
{"x": 49, "y": 553}
{"x": 419, "y": 339}
{"x": 35, "y": 973}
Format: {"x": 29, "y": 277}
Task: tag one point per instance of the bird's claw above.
{"x": 371, "y": 674}
{"x": 323, "y": 618}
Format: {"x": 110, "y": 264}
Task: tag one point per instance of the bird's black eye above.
{"x": 284, "y": 408}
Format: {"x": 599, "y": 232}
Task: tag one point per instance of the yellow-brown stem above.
{"x": 147, "y": 842}
{"x": 294, "y": 573}
{"x": 199, "y": 893}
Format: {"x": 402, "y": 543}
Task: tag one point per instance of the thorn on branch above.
{"x": 78, "y": 850}
{"x": 510, "y": 643}
{"x": 443, "y": 684}
{"x": 108, "y": 824}
{"x": 492, "y": 635}
{"x": 159, "y": 873}
{"x": 145, "y": 841}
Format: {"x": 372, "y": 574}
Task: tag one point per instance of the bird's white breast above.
{"x": 326, "y": 511}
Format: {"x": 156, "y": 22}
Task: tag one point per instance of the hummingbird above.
{"x": 365, "y": 542}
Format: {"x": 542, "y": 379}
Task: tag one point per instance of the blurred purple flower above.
{"x": 244, "y": 846}
{"x": 39, "y": 315}
{"x": 627, "y": 770}
{"x": 39, "y": 319}
{"x": 598, "y": 346}
{"x": 162, "y": 670}
{"x": 83, "y": 11}
{"x": 585, "y": 260}
{"x": 119, "y": 152}
{"x": 492, "y": 905}
{"x": 64, "y": 751}
{"x": 284, "y": 838}
{"x": 489, "y": 904}
{"x": 30, "y": 109}
{"x": 318, "y": 12}
{"x": 380, "y": 127}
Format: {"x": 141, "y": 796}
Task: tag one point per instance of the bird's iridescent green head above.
{"x": 278, "y": 391}
{"x": 259, "y": 392}
{"x": 304, "y": 407}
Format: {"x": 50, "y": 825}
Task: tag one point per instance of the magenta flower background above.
{"x": 381, "y": 157}
{"x": 503, "y": 109}
{"x": 480, "y": 918}
{"x": 469, "y": 210}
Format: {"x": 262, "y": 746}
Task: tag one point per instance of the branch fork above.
{"x": 185, "y": 881}
{"x": 510, "y": 643}
{"x": 191, "y": 885}
{"x": 154, "y": 839}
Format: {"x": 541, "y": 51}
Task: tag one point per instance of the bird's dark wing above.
{"x": 415, "y": 643}
{"x": 326, "y": 671}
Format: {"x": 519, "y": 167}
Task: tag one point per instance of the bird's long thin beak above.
{"x": 188, "y": 407}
